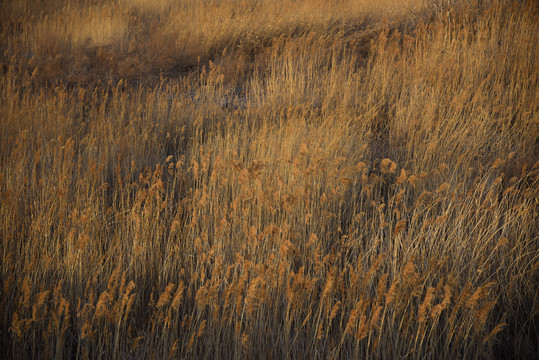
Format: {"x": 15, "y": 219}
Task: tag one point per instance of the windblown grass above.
{"x": 269, "y": 179}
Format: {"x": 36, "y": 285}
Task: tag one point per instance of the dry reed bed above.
{"x": 368, "y": 199}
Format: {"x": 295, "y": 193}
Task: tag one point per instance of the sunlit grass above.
{"x": 285, "y": 179}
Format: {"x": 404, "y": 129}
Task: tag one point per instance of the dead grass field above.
{"x": 269, "y": 179}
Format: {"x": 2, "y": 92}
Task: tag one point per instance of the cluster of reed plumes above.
{"x": 300, "y": 179}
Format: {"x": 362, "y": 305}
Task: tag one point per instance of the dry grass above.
{"x": 269, "y": 179}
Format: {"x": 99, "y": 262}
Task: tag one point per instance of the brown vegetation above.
{"x": 269, "y": 179}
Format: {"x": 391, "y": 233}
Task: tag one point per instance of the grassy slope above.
{"x": 269, "y": 179}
